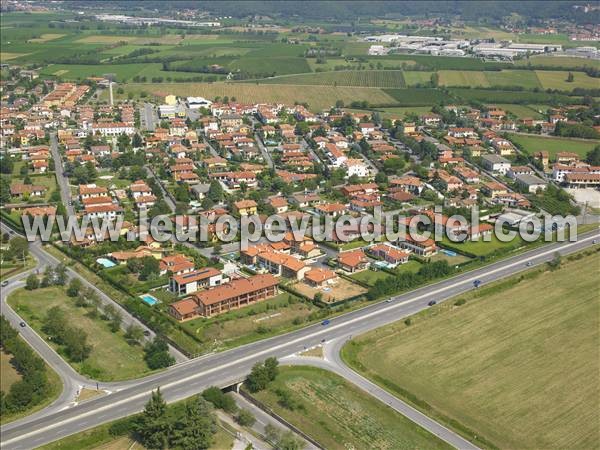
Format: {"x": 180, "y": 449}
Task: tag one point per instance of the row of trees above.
{"x": 73, "y": 339}
{"x": 405, "y": 281}
{"x": 33, "y": 387}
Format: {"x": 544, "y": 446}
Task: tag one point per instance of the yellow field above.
{"x": 517, "y": 365}
{"x": 106, "y": 39}
{"x": 46, "y": 37}
{"x": 463, "y": 78}
{"x": 6, "y": 56}
{"x": 558, "y": 80}
{"x": 317, "y": 97}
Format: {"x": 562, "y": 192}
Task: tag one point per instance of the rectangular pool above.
{"x": 149, "y": 299}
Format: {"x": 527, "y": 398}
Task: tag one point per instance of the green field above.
{"x": 553, "y": 145}
{"x": 558, "y": 80}
{"x": 558, "y": 61}
{"x": 338, "y": 415}
{"x": 523, "y": 78}
{"x": 521, "y": 111}
{"x": 517, "y": 365}
{"x": 518, "y": 97}
{"x": 364, "y": 78}
{"x": 412, "y": 78}
{"x": 112, "y": 358}
{"x": 317, "y": 97}
{"x": 463, "y": 78}
{"x": 417, "y": 97}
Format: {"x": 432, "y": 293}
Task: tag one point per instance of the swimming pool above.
{"x": 106, "y": 263}
{"x": 448, "y": 252}
{"x": 149, "y": 299}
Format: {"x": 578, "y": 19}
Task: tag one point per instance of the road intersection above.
{"x": 226, "y": 368}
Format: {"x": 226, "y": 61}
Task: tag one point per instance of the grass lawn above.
{"x": 412, "y": 78}
{"x": 369, "y": 276}
{"x": 411, "y": 266}
{"x": 554, "y": 145}
{"x": 112, "y": 358}
{"x": 524, "y": 78}
{"x": 482, "y": 248}
{"x": 10, "y": 269}
{"x": 261, "y": 320}
{"x": 339, "y": 415}
{"x": 517, "y": 365}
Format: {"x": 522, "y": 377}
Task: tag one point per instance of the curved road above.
{"x": 225, "y": 368}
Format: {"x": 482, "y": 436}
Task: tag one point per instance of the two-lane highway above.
{"x": 224, "y": 368}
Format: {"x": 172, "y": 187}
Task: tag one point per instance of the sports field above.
{"x": 516, "y": 365}
{"x": 554, "y": 145}
{"x": 338, "y": 415}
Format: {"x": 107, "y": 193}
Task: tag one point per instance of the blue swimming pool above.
{"x": 448, "y": 252}
{"x": 149, "y": 299}
{"x": 106, "y": 263}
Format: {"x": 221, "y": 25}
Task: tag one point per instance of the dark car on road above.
{"x": 431, "y": 303}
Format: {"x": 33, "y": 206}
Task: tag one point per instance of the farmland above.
{"x": 521, "y": 111}
{"x": 553, "y": 145}
{"x": 512, "y": 366}
{"x": 365, "y": 78}
{"x": 317, "y": 97}
{"x": 339, "y": 415}
{"x": 558, "y": 80}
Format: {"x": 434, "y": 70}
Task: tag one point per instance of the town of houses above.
{"x": 204, "y": 159}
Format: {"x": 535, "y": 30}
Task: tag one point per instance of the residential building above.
{"x": 190, "y": 282}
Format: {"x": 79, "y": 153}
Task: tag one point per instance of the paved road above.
{"x": 264, "y": 151}
{"x": 148, "y": 117}
{"x": 226, "y": 368}
{"x": 61, "y": 179}
{"x": 45, "y": 259}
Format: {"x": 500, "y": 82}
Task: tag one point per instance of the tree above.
{"x": 556, "y": 261}
{"x": 134, "y": 334}
{"x": 218, "y": 398}
{"x": 75, "y": 341}
{"x": 136, "y": 141}
{"x": 593, "y": 156}
{"x": 245, "y": 418}
{"x": 570, "y": 77}
{"x": 60, "y": 275}
{"x": 115, "y": 321}
{"x": 153, "y": 427}
{"x": 261, "y": 374}
{"x": 196, "y": 427}
{"x": 157, "y": 354}
{"x": 32, "y": 282}
{"x": 74, "y": 287}
{"x": 4, "y": 190}
{"x": 150, "y": 267}
{"x": 18, "y": 247}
